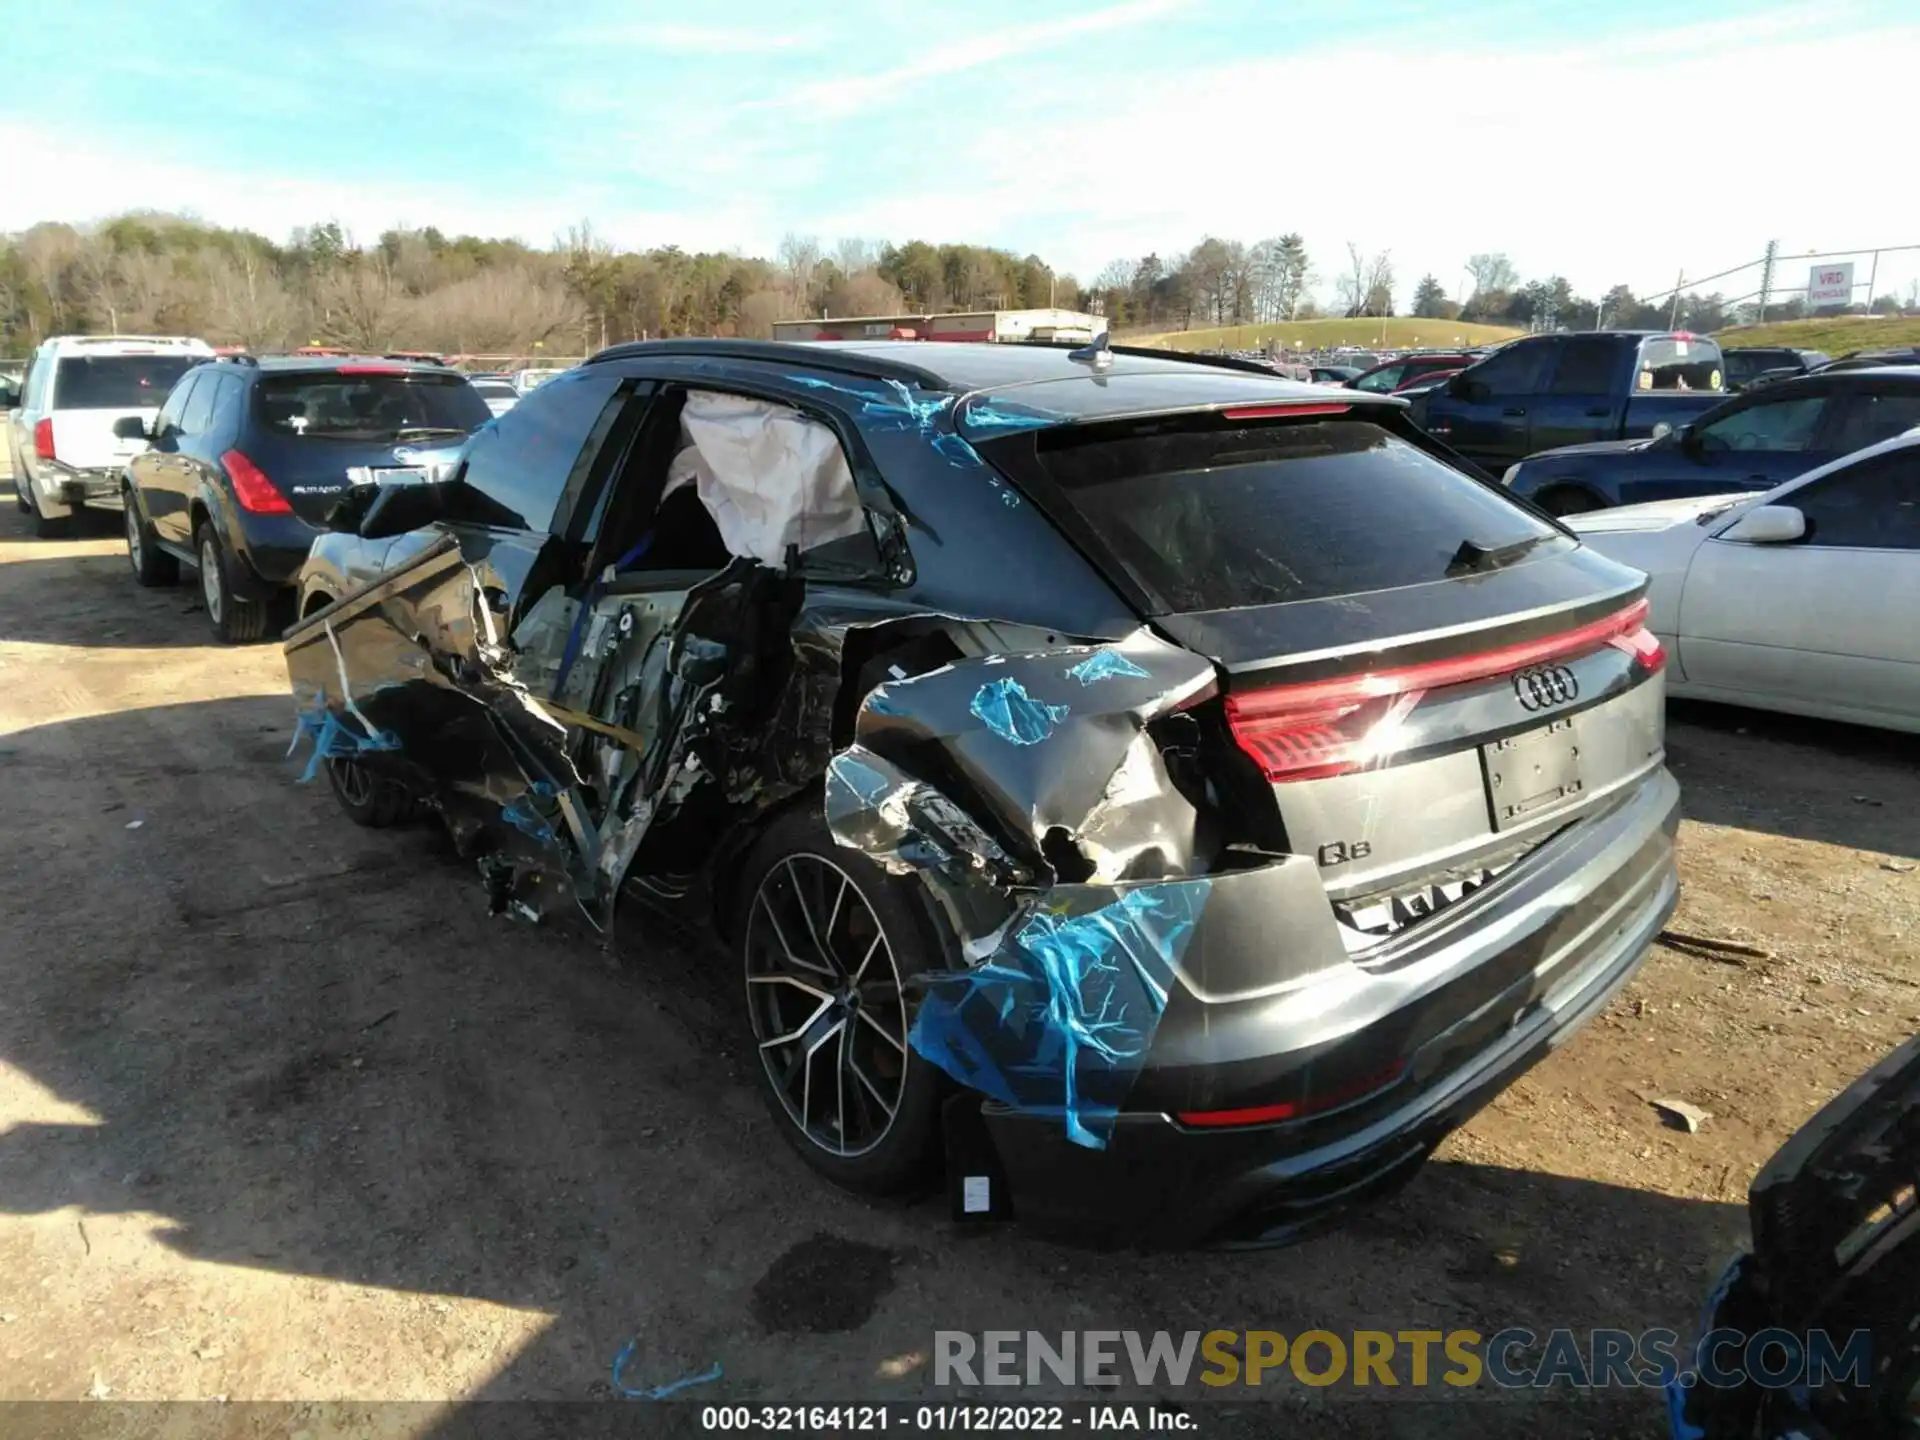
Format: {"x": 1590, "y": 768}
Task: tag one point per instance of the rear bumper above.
{"x": 61, "y": 487}
{"x": 272, "y": 548}
{"x": 1521, "y": 968}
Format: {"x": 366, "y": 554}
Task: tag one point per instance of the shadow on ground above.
{"x": 311, "y": 1053}
{"x": 1803, "y": 779}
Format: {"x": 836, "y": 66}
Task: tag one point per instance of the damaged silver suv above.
{"x": 1180, "y": 793}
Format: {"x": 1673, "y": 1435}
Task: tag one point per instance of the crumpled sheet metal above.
{"x": 907, "y": 825}
{"x": 1057, "y": 739}
{"x": 1059, "y": 1018}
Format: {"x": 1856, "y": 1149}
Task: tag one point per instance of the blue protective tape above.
{"x": 334, "y": 739}
{"x": 1678, "y": 1425}
{"x": 1006, "y": 708}
{"x": 1059, "y": 1019}
{"x": 520, "y": 813}
{"x": 657, "y": 1392}
{"x": 1106, "y": 665}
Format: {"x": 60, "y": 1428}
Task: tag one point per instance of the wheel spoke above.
{"x": 840, "y": 1084}
{"x": 883, "y": 1032}
{"x": 853, "y": 1064}
{"x": 867, "y": 959}
{"x": 806, "y": 913}
{"x": 785, "y": 945}
{"x": 793, "y": 980}
{"x": 826, "y": 1004}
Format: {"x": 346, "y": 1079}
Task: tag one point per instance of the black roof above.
{"x": 1046, "y": 376}
{"x": 308, "y": 364}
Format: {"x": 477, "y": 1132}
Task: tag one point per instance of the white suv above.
{"x": 62, "y": 443}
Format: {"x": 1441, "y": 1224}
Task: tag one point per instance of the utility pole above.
{"x": 1673, "y": 310}
{"x": 1766, "y": 279}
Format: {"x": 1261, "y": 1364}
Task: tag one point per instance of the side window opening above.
{"x": 735, "y": 477}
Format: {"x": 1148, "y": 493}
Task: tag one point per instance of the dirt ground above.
{"x": 284, "y": 1115}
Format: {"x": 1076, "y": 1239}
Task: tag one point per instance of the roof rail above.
{"x": 810, "y": 353}
{"x": 240, "y": 358}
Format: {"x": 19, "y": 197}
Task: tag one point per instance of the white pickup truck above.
{"x": 61, "y": 441}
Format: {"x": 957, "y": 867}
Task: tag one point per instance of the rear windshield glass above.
{"x": 494, "y": 389}
{"x": 1675, "y": 364}
{"x": 117, "y": 382}
{"x": 1263, "y": 515}
{"x": 337, "y": 406}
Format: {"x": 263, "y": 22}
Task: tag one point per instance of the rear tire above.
{"x": 44, "y": 527}
{"x": 1568, "y": 501}
{"x": 152, "y": 566}
{"x": 370, "y": 799}
{"x": 235, "y": 621}
{"x": 830, "y": 1086}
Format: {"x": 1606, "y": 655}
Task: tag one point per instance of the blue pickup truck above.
{"x": 1546, "y": 391}
{"x": 1753, "y": 441}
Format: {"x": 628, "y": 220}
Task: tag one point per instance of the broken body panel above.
{"x": 1151, "y": 930}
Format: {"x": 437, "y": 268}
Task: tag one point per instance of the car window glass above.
{"x": 518, "y": 465}
{"x": 1586, "y": 367}
{"x": 1874, "y": 505}
{"x": 177, "y": 402}
{"x": 36, "y": 383}
{"x": 1670, "y": 363}
{"x": 199, "y": 408}
{"x": 117, "y": 382}
{"x": 1870, "y": 418}
{"x": 1516, "y": 370}
{"x": 1381, "y": 380}
{"x": 1780, "y": 425}
{"x": 1271, "y": 514}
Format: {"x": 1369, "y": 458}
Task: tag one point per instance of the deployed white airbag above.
{"x": 769, "y": 476}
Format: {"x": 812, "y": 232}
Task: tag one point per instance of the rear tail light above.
{"x": 256, "y": 493}
{"x": 1282, "y": 411}
{"x": 43, "y": 440}
{"x": 1315, "y": 1101}
{"x": 1333, "y": 727}
{"x": 371, "y": 370}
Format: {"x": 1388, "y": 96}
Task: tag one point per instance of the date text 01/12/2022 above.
{"x": 944, "y": 1419}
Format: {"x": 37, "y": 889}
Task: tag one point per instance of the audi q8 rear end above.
{"x": 1447, "y": 716}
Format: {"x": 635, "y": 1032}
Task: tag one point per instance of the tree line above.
{"x": 147, "y": 273}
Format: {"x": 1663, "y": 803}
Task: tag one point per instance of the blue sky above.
{"x": 1587, "y": 139}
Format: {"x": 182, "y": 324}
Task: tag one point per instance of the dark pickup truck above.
{"x": 1546, "y": 391}
{"x": 1753, "y": 441}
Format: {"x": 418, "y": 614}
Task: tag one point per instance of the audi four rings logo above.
{"x": 1545, "y": 686}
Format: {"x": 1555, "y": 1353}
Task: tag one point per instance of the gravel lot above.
{"x": 285, "y": 1116}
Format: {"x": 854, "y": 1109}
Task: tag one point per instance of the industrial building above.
{"x": 975, "y": 325}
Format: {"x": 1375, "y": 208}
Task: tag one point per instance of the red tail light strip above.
{"x": 1282, "y": 411}
{"x": 43, "y": 440}
{"x": 1331, "y": 727}
{"x": 256, "y": 493}
{"x": 1311, "y": 1104}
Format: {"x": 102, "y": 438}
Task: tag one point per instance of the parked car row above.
{"x": 227, "y": 465}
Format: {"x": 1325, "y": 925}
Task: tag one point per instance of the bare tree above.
{"x": 853, "y": 255}
{"x": 1366, "y": 285}
{"x": 864, "y": 294}
{"x": 250, "y": 305}
{"x": 800, "y": 258}
{"x": 1491, "y": 271}
{"x": 499, "y": 311}
{"x": 359, "y": 304}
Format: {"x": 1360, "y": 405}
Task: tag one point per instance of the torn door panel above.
{"x": 1054, "y": 748}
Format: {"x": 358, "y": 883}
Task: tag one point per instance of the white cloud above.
{"x": 1606, "y": 165}
{"x": 954, "y": 54}
{"x": 1617, "y": 162}
{"x": 57, "y": 179}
